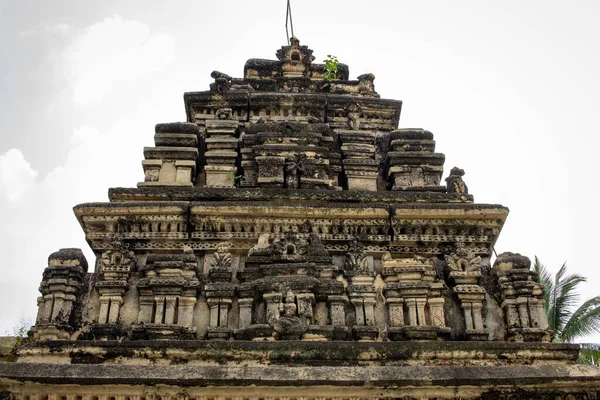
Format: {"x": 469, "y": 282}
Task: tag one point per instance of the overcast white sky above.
{"x": 510, "y": 89}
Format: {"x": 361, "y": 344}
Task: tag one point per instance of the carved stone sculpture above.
{"x": 289, "y": 241}
{"x": 455, "y": 183}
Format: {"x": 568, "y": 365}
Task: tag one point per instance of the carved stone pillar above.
{"x": 396, "y": 311}
{"x": 249, "y": 166}
{"x": 245, "y": 306}
{"x": 369, "y": 307}
{"x": 115, "y": 306}
{"x": 477, "y": 316}
{"x": 219, "y": 292}
{"x": 361, "y": 291}
{"x": 305, "y": 306}
{"x": 412, "y": 311}
{"x": 464, "y": 268}
{"x": 185, "y": 314}
{"x": 104, "y": 308}
{"x": 468, "y": 315}
{"x": 170, "y": 303}
{"x": 523, "y": 309}
{"x": 511, "y": 314}
{"x": 274, "y": 306}
{"x": 436, "y": 311}
{"x": 146, "y": 306}
{"x": 115, "y": 266}
{"x": 337, "y": 310}
{"x": 159, "y": 313}
{"x": 224, "y": 306}
{"x": 213, "y": 304}
{"x": 359, "y": 311}
{"x": 421, "y": 311}
{"x": 539, "y": 319}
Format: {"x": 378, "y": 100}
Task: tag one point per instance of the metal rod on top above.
{"x": 288, "y": 17}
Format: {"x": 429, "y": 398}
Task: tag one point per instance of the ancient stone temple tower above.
{"x": 288, "y": 241}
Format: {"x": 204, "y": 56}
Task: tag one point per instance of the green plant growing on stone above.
{"x": 19, "y": 333}
{"x": 331, "y": 69}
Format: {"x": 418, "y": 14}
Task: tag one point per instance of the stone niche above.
{"x": 289, "y": 241}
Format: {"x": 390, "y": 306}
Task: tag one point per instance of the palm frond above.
{"x": 584, "y": 321}
{"x": 545, "y": 278}
{"x": 563, "y": 299}
{"x": 589, "y": 354}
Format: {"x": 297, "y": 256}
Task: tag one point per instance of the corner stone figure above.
{"x": 455, "y": 183}
{"x": 222, "y": 82}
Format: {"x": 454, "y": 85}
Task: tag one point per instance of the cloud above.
{"x": 115, "y": 51}
{"x": 46, "y": 28}
{"x": 16, "y": 174}
{"x": 112, "y": 57}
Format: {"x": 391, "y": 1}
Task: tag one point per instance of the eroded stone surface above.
{"x": 289, "y": 241}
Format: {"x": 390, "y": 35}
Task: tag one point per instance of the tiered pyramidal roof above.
{"x": 289, "y": 241}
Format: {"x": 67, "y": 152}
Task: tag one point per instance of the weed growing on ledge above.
{"x": 331, "y": 69}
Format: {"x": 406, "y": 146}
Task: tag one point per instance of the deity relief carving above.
{"x": 289, "y": 325}
{"x": 354, "y": 111}
{"x": 118, "y": 259}
{"x": 356, "y": 258}
{"x": 463, "y": 259}
{"x": 221, "y": 259}
{"x": 224, "y": 113}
